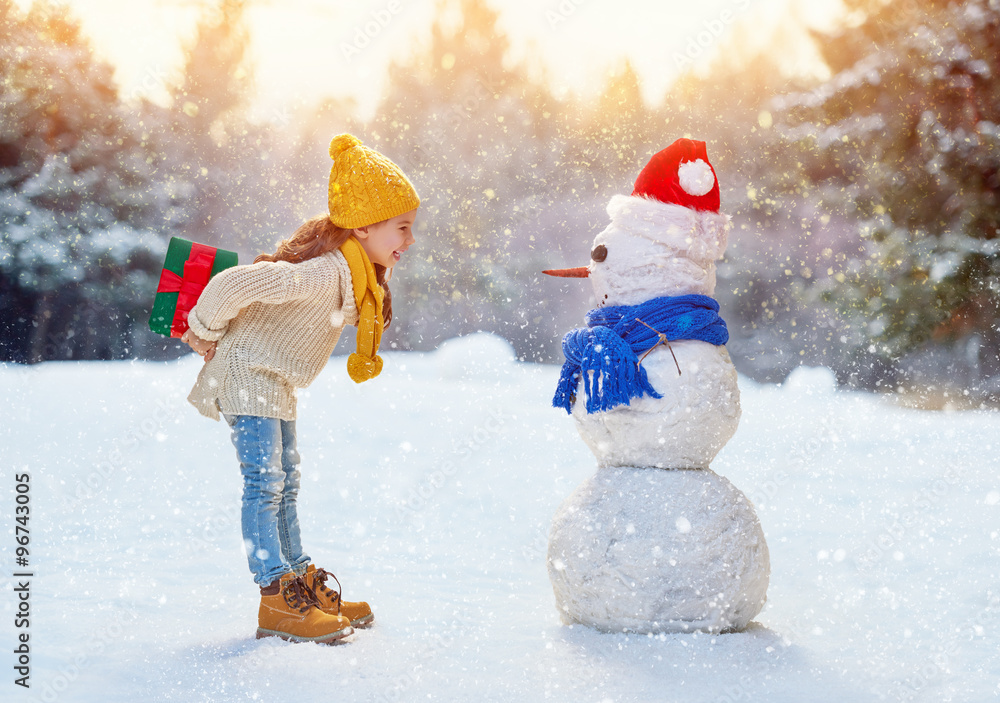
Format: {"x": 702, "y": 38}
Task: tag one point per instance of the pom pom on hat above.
{"x": 365, "y": 186}
{"x": 342, "y": 142}
{"x": 696, "y": 177}
{"x": 681, "y": 175}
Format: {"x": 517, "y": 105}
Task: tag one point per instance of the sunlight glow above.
{"x": 305, "y": 50}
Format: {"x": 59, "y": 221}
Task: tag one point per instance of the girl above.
{"x": 269, "y": 328}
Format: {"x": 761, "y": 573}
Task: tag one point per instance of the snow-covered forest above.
{"x": 865, "y": 205}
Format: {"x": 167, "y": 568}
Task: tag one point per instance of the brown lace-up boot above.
{"x": 289, "y": 610}
{"x": 358, "y": 613}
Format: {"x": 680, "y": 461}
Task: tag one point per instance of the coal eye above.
{"x": 600, "y": 253}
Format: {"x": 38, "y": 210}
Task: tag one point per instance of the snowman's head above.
{"x": 652, "y": 249}
{"x": 665, "y": 238}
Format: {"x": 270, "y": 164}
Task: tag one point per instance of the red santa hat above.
{"x": 680, "y": 175}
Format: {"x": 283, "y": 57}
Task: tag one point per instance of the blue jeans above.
{"x": 269, "y": 463}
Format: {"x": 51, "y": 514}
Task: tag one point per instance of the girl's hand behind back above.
{"x": 200, "y": 346}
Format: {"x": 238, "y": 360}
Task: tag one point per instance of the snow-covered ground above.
{"x": 429, "y": 492}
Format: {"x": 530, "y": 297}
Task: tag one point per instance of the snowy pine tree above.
{"x": 85, "y": 215}
{"x": 477, "y": 138}
{"x": 214, "y": 146}
{"x": 905, "y": 136}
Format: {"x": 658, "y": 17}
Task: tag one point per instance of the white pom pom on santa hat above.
{"x": 696, "y": 177}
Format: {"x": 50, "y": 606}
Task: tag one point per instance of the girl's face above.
{"x": 385, "y": 241}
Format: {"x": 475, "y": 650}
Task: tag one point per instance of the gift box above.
{"x": 188, "y": 268}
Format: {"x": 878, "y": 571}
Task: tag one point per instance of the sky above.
{"x": 305, "y": 50}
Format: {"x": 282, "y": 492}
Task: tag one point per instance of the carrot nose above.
{"x": 578, "y": 272}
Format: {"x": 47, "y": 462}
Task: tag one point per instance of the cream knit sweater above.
{"x": 276, "y": 325}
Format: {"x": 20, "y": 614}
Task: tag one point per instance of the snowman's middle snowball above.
{"x": 686, "y": 428}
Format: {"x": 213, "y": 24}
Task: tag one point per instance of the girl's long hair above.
{"x": 319, "y": 236}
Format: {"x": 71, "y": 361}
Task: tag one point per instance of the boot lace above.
{"x": 298, "y": 595}
{"x": 319, "y": 583}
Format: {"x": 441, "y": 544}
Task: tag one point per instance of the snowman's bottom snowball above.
{"x": 655, "y": 550}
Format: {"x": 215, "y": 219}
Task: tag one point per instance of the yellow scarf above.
{"x": 365, "y": 363}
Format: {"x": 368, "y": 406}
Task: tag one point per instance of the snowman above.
{"x": 656, "y": 541}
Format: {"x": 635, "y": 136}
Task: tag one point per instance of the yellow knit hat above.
{"x": 365, "y": 186}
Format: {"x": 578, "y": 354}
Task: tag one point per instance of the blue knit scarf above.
{"x": 605, "y": 353}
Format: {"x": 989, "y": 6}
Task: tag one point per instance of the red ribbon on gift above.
{"x": 197, "y": 272}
